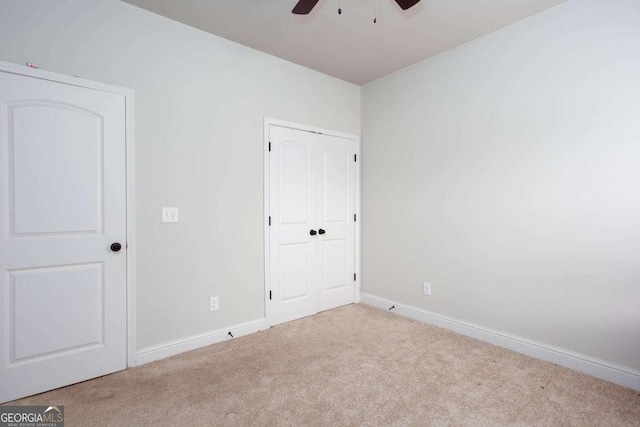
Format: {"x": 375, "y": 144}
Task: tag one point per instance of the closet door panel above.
{"x": 336, "y": 202}
{"x": 293, "y": 251}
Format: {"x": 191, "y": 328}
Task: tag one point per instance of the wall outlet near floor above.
{"x": 426, "y": 288}
{"x": 213, "y": 304}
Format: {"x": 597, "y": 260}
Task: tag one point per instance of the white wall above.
{"x": 200, "y": 103}
{"x": 506, "y": 172}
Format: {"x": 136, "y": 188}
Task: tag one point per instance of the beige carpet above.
{"x": 355, "y": 365}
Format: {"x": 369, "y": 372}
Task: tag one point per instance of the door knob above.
{"x": 313, "y": 232}
{"x": 115, "y": 247}
{"x": 321, "y": 231}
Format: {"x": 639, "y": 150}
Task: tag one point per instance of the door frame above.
{"x": 130, "y": 179}
{"x": 268, "y": 121}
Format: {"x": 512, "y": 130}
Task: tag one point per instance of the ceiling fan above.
{"x": 305, "y": 6}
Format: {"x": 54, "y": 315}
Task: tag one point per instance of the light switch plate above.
{"x": 169, "y": 214}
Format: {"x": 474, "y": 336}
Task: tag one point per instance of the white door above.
{"x": 62, "y": 206}
{"x": 312, "y": 231}
{"x": 336, "y": 222}
{"x": 293, "y": 214}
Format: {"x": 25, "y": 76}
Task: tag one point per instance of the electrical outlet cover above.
{"x": 426, "y": 288}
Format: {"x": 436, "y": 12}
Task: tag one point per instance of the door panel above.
{"x": 40, "y": 333}
{"x": 62, "y": 204}
{"x": 54, "y": 165}
{"x": 293, "y": 179}
{"x": 294, "y": 272}
{"x": 336, "y": 185}
{"x": 334, "y": 263}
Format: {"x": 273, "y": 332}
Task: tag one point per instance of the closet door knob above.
{"x": 321, "y": 231}
{"x": 313, "y": 232}
{"x": 115, "y": 247}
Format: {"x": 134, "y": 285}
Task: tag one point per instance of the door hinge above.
{"x": 269, "y": 294}
{"x": 355, "y": 157}
{"x": 354, "y": 218}
{"x": 269, "y": 221}
{"x": 269, "y": 145}
{"x": 354, "y": 277}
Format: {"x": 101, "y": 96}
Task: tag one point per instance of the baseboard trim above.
{"x": 617, "y": 374}
{"x": 193, "y": 342}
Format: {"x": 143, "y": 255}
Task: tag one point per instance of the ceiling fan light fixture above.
{"x": 304, "y": 7}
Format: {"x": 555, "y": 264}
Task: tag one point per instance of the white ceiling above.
{"x": 349, "y": 46}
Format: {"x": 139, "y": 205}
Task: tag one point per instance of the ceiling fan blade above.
{"x": 406, "y": 4}
{"x": 304, "y": 7}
